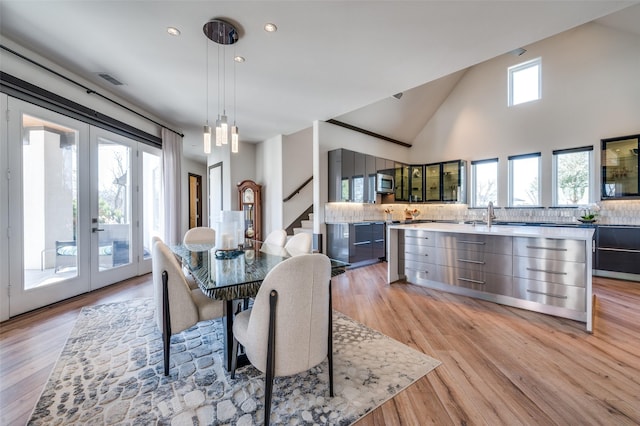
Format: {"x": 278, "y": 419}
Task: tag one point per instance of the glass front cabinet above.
{"x": 446, "y": 182}
{"x": 620, "y": 177}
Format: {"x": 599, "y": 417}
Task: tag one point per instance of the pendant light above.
{"x": 207, "y": 128}
{"x": 234, "y": 128}
{"x": 223, "y": 33}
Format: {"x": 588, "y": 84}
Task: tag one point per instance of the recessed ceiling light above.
{"x": 270, "y": 28}
{"x": 173, "y": 31}
{"x": 239, "y": 59}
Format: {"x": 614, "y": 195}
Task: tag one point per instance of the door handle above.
{"x": 97, "y": 229}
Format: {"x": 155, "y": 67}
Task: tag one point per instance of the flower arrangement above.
{"x": 411, "y": 213}
{"x": 388, "y": 210}
{"x": 590, "y": 213}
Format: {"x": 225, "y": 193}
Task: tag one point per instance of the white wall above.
{"x": 269, "y": 174}
{"x": 235, "y": 168}
{"x": 297, "y": 158}
{"x": 243, "y": 167}
{"x": 590, "y": 91}
{"x": 19, "y": 68}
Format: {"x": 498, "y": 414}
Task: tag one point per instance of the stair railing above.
{"x": 297, "y": 191}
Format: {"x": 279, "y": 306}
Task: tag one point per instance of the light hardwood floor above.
{"x": 500, "y": 365}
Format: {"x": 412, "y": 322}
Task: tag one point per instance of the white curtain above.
{"x": 172, "y": 183}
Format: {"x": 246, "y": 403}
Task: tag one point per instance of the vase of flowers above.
{"x": 389, "y": 214}
{"x": 590, "y": 214}
{"x": 411, "y": 213}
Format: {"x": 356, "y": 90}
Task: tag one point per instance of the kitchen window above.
{"x": 484, "y": 181}
{"x": 524, "y": 180}
{"x": 525, "y": 82}
{"x": 573, "y": 179}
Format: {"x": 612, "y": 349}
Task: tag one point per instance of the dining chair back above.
{"x": 299, "y": 244}
{"x": 288, "y": 330}
{"x": 200, "y": 235}
{"x": 178, "y": 307}
{"x": 277, "y": 237}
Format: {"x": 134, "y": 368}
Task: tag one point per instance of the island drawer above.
{"x": 475, "y": 242}
{"x": 554, "y": 271}
{"x": 570, "y": 297}
{"x": 419, "y": 272}
{"x": 420, "y": 253}
{"x": 476, "y": 260}
{"x": 477, "y": 280}
{"x": 420, "y": 237}
{"x": 550, "y": 248}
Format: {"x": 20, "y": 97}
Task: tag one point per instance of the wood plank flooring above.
{"x": 500, "y": 365}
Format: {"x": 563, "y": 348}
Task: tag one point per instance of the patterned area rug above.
{"x": 110, "y": 372}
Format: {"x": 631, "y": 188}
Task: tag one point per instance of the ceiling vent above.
{"x": 110, "y": 79}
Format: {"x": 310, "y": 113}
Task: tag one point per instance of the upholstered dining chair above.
{"x": 200, "y": 235}
{"x": 277, "y": 237}
{"x": 178, "y": 307}
{"x": 197, "y": 235}
{"x": 299, "y": 244}
{"x": 288, "y": 330}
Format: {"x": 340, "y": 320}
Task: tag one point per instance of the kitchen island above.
{"x": 543, "y": 269}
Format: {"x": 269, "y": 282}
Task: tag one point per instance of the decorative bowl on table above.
{"x": 228, "y": 253}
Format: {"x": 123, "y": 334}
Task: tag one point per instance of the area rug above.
{"x": 111, "y": 372}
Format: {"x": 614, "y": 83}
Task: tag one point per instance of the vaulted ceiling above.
{"x": 328, "y": 59}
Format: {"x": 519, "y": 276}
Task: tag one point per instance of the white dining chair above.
{"x": 299, "y": 244}
{"x": 288, "y": 330}
{"x": 178, "y": 307}
{"x": 277, "y": 237}
{"x": 200, "y": 235}
{"x": 197, "y": 235}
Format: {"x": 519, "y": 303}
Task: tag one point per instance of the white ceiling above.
{"x": 328, "y": 59}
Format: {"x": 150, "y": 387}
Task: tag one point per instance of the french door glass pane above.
{"x": 50, "y": 200}
{"x": 152, "y": 202}
{"x": 114, "y": 204}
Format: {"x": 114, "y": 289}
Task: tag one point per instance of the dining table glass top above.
{"x": 234, "y": 274}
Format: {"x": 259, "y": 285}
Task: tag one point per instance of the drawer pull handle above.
{"x": 558, "y": 296}
{"x": 616, "y": 249}
{"x": 546, "y": 271}
{"x": 379, "y": 241}
{"x": 472, "y": 281}
{"x": 547, "y": 248}
{"x": 361, "y": 243}
{"x": 481, "y": 243}
{"x": 477, "y": 262}
{"x": 417, "y": 270}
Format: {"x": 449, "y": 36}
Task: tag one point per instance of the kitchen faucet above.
{"x": 490, "y": 214}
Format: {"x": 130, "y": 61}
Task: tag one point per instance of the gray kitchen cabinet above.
{"x": 356, "y": 243}
{"x": 352, "y": 175}
{"x": 618, "y": 251}
{"x": 341, "y": 171}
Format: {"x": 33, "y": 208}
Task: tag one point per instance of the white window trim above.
{"x": 474, "y": 178}
{"x": 510, "y": 185}
{"x": 554, "y": 183}
{"x": 519, "y": 67}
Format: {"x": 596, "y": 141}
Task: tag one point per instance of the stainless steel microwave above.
{"x": 384, "y": 184}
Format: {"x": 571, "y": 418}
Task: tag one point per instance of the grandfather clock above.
{"x": 250, "y": 199}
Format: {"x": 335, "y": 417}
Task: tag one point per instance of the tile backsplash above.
{"x": 611, "y": 212}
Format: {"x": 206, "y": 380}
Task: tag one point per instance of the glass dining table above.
{"x": 234, "y": 275}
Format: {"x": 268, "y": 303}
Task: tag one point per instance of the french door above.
{"x": 76, "y": 207}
